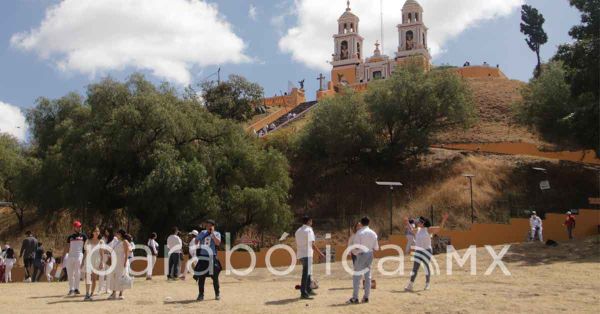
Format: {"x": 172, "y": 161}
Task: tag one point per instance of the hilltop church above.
{"x": 351, "y": 68}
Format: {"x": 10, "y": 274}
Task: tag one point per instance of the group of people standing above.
{"x": 38, "y": 263}
{"x": 536, "y": 226}
{"x": 363, "y": 243}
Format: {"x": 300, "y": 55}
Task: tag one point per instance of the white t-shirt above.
{"x": 174, "y": 241}
{"x": 153, "y": 245}
{"x": 535, "y": 221}
{"x": 423, "y": 239}
{"x": 367, "y": 238}
{"x": 305, "y": 237}
{"x": 192, "y": 247}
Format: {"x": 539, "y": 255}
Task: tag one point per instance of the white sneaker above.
{"x": 409, "y": 287}
{"x": 27, "y": 280}
{"x": 427, "y": 286}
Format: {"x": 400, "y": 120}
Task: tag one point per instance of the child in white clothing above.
{"x": 50, "y": 262}
{"x": 9, "y": 262}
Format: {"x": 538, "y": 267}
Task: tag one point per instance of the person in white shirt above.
{"x": 535, "y": 222}
{"x": 305, "y": 243}
{"x": 410, "y": 237}
{"x": 365, "y": 243}
{"x": 174, "y": 245}
{"x": 153, "y": 245}
{"x": 423, "y": 248}
{"x": 191, "y": 252}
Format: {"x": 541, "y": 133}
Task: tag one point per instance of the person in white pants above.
{"x": 75, "y": 244}
{"x": 535, "y": 222}
{"x": 153, "y": 245}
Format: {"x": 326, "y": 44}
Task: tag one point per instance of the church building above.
{"x": 351, "y": 67}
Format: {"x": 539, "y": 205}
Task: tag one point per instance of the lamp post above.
{"x": 470, "y": 177}
{"x": 391, "y": 185}
{"x": 543, "y": 185}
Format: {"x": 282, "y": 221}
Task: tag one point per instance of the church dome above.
{"x": 348, "y": 15}
{"x": 409, "y": 4}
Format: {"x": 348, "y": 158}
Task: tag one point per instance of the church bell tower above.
{"x": 348, "y": 45}
{"x": 412, "y": 33}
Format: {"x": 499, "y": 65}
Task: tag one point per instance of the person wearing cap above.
{"x": 305, "y": 243}
{"x": 191, "y": 252}
{"x": 174, "y": 244}
{"x": 570, "y": 224}
{"x": 208, "y": 265}
{"x": 423, "y": 249}
{"x": 75, "y": 244}
{"x": 535, "y": 222}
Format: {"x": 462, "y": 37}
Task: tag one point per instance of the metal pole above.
{"x": 472, "y": 210}
{"x": 391, "y": 213}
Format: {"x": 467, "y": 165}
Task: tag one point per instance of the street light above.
{"x": 470, "y": 177}
{"x": 391, "y": 185}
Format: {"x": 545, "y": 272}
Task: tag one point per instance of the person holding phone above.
{"x": 208, "y": 265}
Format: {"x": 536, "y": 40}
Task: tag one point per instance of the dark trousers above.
{"x": 570, "y": 232}
{"x": 174, "y": 262}
{"x": 306, "y": 276}
{"x": 28, "y": 263}
{"x": 421, "y": 257}
{"x": 353, "y": 259}
{"x": 38, "y": 271}
{"x": 207, "y": 268}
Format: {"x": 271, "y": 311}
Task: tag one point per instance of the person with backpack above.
{"x": 570, "y": 224}
{"x": 208, "y": 265}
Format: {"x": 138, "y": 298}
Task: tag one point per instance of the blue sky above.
{"x": 268, "y": 41}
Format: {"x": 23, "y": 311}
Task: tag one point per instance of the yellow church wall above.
{"x": 480, "y": 72}
{"x": 349, "y": 72}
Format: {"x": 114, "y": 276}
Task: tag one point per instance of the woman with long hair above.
{"x": 423, "y": 248}
{"x": 93, "y": 262}
{"x": 107, "y": 236}
{"x": 120, "y": 246}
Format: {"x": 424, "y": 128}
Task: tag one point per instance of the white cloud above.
{"x": 310, "y": 42}
{"x": 167, "y": 37}
{"x": 12, "y": 121}
{"x": 252, "y": 13}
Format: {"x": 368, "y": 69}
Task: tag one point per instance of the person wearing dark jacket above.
{"x": 28, "y": 248}
{"x": 38, "y": 263}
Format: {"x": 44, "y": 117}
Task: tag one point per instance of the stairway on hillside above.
{"x": 294, "y": 114}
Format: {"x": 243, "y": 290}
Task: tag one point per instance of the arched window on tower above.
{"x": 358, "y": 49}
{"x": 344, "y": 51}
{"x": 409, "y": 17}
{"x": 345, "y": 28}
{"x": 416, "y": 17}
{"x": 352, "y": 27}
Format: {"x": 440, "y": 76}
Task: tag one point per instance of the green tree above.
{"x": 409, "y": 107}
{"x": 532, "y": 26}
{"x": 547, "y": 103}
{"x": 18, "y": 173}
{"x": 339, "y": 133}
{"x": 233, "y": 99}
{"x": 581, "y": 60}
{"x": 162, "y": 157}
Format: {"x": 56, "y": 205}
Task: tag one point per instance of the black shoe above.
{"x": 312, "y": 293}
{"x": 77, "y": 292}
{"x": 353, "y": 301}
{"x": 200, "y": 298}
{"x": 306, "y": 297}
{"x": 71, "y": 292}
{"x": 217, "y": 297}
{"x": 365, "y": 300}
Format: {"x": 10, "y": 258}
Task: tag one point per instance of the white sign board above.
{"x": 545, "y": 185}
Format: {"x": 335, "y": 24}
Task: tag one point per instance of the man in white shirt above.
{"x": 191, "y": 251}
{"x": 174, "y": 245}
{"x": 365, "y": 242}
{"x": 305, "y": 243}
{"x": 153, "y": 245}
{"x": 535, "y": 222}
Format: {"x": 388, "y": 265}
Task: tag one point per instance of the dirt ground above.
{"x": 543, "y": 280}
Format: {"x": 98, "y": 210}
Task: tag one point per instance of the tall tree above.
{"x": 166, "y": 159}
{"x": 532, "y": 26}
{"x": 582, "y": 64}
{"x": 412, "y": 105}
{"x": 233, "y": 99}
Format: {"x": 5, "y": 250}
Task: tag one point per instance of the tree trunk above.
{"x": 538, "y": 69}
{"x": 19, "y": 212}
